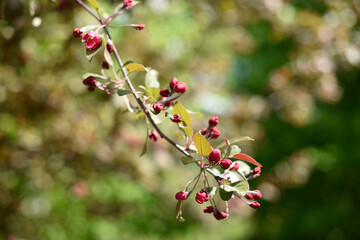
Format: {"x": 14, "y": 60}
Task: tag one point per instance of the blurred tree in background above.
{"x": 283, "y": 72}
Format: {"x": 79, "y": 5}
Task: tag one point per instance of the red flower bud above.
{"x": 182, "y": 195}
{"x": 255, "y": 172}
{"x": 164, "y": 92}
{"x": 128, "y": 3}
{"x": 139, "y": 27}
{"x": 215, "y": 134}
{"x": 220, "y": 215}
{"x": 257, "y": 194}
{"x": 77, "y": 33}
{"x": 173, "y": 83}
{"x": 215, "y": 155}
{"x": 249, "y": 196}
{"x": 254, "y": 205}
{"x": 235, "y": 167}
{"x": 91, "y": 88}
{"x": 92, "y": 40}
{"x": 158, "y": 107}
{"x": 213, "y": 121}
{"x": 110, "y": 47}
{"x": 225, "y": 163}
{"x": 208, "y": 209}
{"x": 105, "y": 65}
{"x": 201, "y": 197}
{"x": 204, "y": 131}
{"x": 90, "y": 81}
{"x": 223, "y": 215}
{"x": 180, "y": 87}
{"x": 176, "y": 118}
{"x": 153, "y": 136}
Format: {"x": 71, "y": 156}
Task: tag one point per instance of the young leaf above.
{"x": 88, "y": 28}
{"x": 198, "y": 114}
{"x": 178, "y": 211}
{"x": 225, "y": 196}
{"x": 122, "y": 92}
{"x": 136, "y": 67}
{"x": 202, "y": 145}
{"x": 151, "y": 79}
{"x": 187, "y": 160}
{"x": 240, "y": 188}
{"x": 246, "y": 158}
{"x": 235, "y": 140}
{"x": 187, "y": 130}
{"x": 179, "y": 109}
{"x": 234, "y": 149}
{"x": 94, "y": 3}
{"x": 86, "y": 75}
{"x": 158, "y": 118}
{"x": 127, "y": 63}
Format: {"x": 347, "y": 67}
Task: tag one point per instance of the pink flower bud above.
{"x": 173, "y": 83}
{"x": 254, "y": 205}
{"x": 153, "y": 136}
{"x": 213, "y": 121}
{"x": 201, "y": 197}
{"x": 223, "y": 215}
{"x": 208, "y": 209}
{"x": 139, "y": 26}
{"x": 128, "y": 3}
{"x": 255, "y": 172}
{"x": 257, "y": 194}
{"x": 180, "y": 87}
{"x": 235, "y": 167}
{"x": 204, "y": 131}
{"x": 110, "y": 47}
{"x": 176, "y": 118}
{"x": 158, "y": 107}
{"x": 164, "y": 92}
{"x": 225, "y": 163}
{"x": 105, "y": 65}
{"x": 214, "y": 132}
{"x": 90, "y": 81}
{"x": 77, "y": 33}
{"x": 182, "y": 195}
{"x": 215, "y": 155}
{"x": 92, "y": 40}
{"x": 249, "y": 196}
{"x": 220, "y": 215}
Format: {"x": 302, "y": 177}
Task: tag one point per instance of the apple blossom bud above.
{"x": 77, "y": 33}
{"x": 201, "y": 197}
{"x": 204, "y": 131}
{"x": 215, "y": 155}
{"x": 105, "y": 65}
{"x": 92, "y": 40}
{"x": 225, "y": 163}
{"x": 91, "y": 82}
{"x": 235, "y": 167}
{"x": 257, "y": 194}
{"x": 213, "y": 121}
{"x": 254, "y": 205}
{"x": 215, "y": 134}
{"x": 182, "y": 195}
{"x": 223, "y": 215}
{"x": 173, "y": 83}
{"x": 180, "y": 87}
{"x": 158, "y": 107}
{"x": 255, "y": 172}
{"x": 176, "y": 118}
{"x": 153, "y": 136}
{"x": 208, "y": 209}
{"x": 139, "y": 26}
{"x": 249, "y": 196}
{"x": 217, "y": 214}
{"x": 128, "y": 3}
{"x": 110, "y": 47}
{"x": 164, "y": 92}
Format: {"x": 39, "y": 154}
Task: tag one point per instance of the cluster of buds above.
{"x": 91, "y": 82}
{"x": 211, "y": 131}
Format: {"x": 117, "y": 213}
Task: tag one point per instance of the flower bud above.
{"x": 176, "y": 118}
{"x": 215, "y": 134}
{"x": 257, "y": 194}
{"x": 223, "y": 215}
{"x": 215, "y": 155}
{"x": 110, "y": 47}
{"x": 213, "y": 121}
{"x": 249, "y": 196}
{"x": 158, "y": 107}
{"x": 128, "y": 3}
{"x": 139, "y": 26}
{"x": 217, "y": 214}
{"x": 164, "y": 92}
{"x": 77, "y": 33}
{"x": 254, "y": 205}
{"x": 105, "y": 65}
{"x": 92, "y": 40}
{"x": 255, "y": 172}
{"x": 204, "y": 131}
{"x": 180, "y": 87}
{"x": 235, "y": 167}
{"x": 208, "y": 209}
{"x": 182, "y": 195}
{"x": 201, "y": 197}
{"x": 225, "y": 163}
{"x": 173, "y": 83}
{"x": 153, "y": 136}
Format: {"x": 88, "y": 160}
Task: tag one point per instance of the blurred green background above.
{"x": 285, "y": 73}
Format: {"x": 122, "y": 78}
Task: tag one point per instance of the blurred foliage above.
{"x": 283, "y": 72}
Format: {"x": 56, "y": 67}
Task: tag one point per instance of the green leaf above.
{"x": 94, "y": 3}
{"x": 240, "y": 188}
{"x": 211, "y": 191}
{"x": 88, "y": 28}
{"x": 246, "y": 158}
{"x": 158, "y": 118}
{"x": 198, "y": 114}
{"x": 234, "y": 149}
{"x": 151, "y": 79}
{"x": 180, "y": 110}
{"x": 202, "y": 145}
{"x": 225, "y": 196}
{"x": 189, "y": 132}
{"x": 86, "y": 75}
{"x": 136, "y": 67}
{"x": 122, "y": 92}
{"x": 235, "y": 140}
{"x": 153, "y": 92}
{"x": 187, "y": 160}
{"x": 127, "y": 63}
{"x": 178, "y": 211}
{"x": 108, "y": 58}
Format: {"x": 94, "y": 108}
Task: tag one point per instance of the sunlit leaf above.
{"x": 234, "y": 149}
{"x": 198, "y": 114}
{"x": 127, "y": 63}
{"x": 158, "y": 118}
{"x": 189, "y": 132}
{"x": 235, "y": 140}
{"x": 86, "y": 75}
{"x": 240, "y": 187}
{"x": 202, "y": 145}
{"x": 187, "y": 160}
{"x": 180, "y": 110}
{"x": 246, "y": 158}
{"x": 211, "y": 191}
{"x": 122, "y": 92}
{"x": 94, "y": 3}
{"x": 151, "y": 79}
{"x": 136, "y": 67}
{"x": 178, "y": 211}
{"x": 225, "y": 196}
{"x": 88, "y": 28}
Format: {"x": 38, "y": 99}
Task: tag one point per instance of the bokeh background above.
{"x": 284, "y": 72}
